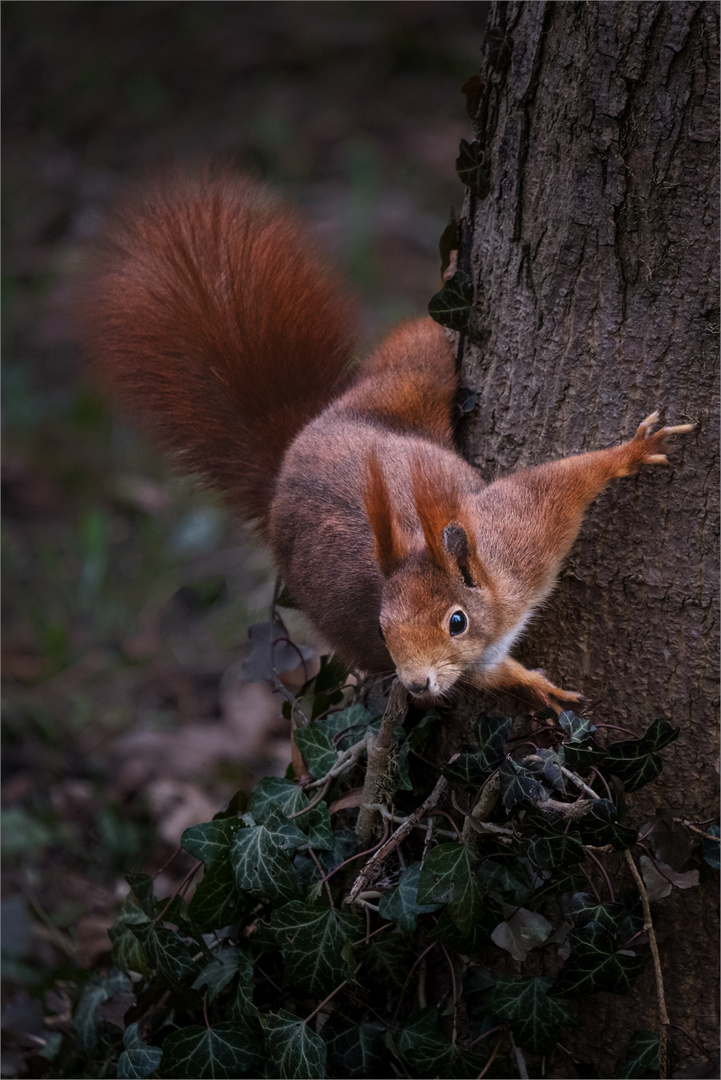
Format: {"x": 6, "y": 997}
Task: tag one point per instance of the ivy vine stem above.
{"x": 664, "y": 1021}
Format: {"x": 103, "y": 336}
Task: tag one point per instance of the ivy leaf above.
{"x": 642, "y": 1057}
{"x": 295, "y": 1049}
{"x": 535, "y": 1016}
{"x": 451, "y": 306}
{"x": 137, "y": 1060}
{"x": 466, "y": 768}
{"x": 225, "y": 1051}
{"x": 400, "y": 904}
{"x": 472, "y": 168}
{"x": 216, "y": 901}
{"x": 260, "y": 857}
{"x": 143, "y": 890}
{"x": 508, "y": 878}
{"x": 492, "y": 734}
{"x": 546, "y": 765}
{"x": 517, "y": 784}
{"x": 347, "y": 727}
{"x": 710, "y": 848}
{"x": 523, "y": 931}
{"x": 318, "y": 752}
{"x": 221, "y": 971}
{"x": 313, "y": 940}
{"x": 446, "y": 875}
{"x": 599, "y": 826}
{"x": 582, "y": 908}
{"x": 634, "y": 761}
{"x": 555, "y": 852}
{"x": 479, "y": 987}
{"x": 273, "y": 792}
{"x": 659, "y": 878}
{"x": 165, "y": 951}
{"x": 578, "y": 728}
{"x": 212, "y": 841}
{"x": 356, "y": 1049}
{"x": 97, "y": 989}
{"x": 595, "y": 965}
{"x": 128, "y": 953}
{"x": 316, "y": 824}
{"x": 582, "y": 757}
{"x": 430, "y": 1052}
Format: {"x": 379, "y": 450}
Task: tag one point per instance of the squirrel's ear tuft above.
{"x": 437, "y": 503}
{"x": 389, "y": 551}
{"x": 462, "y": 551}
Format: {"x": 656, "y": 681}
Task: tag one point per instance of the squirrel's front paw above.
{"x": 649, "y": 447}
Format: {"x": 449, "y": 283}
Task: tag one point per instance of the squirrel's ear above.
{"x": 462, "y": 551}
{"x": 389, "y": 551}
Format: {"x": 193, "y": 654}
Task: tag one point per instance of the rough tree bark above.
{"x": 592, "y": 244}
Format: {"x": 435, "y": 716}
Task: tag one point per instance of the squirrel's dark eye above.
{"x": 457, "y": 623}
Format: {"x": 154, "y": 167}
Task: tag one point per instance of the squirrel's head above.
{"x": 437, "y": 614}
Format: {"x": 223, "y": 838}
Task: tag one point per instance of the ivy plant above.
{"x": 464, "y": 940}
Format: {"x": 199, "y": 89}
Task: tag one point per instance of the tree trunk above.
{"x": 592, "y": 243}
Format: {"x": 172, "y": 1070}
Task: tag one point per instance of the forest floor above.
{"x": 128, "y": 593}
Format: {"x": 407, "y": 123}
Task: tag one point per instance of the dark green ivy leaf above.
{"x": 578, "y": 728}
{"x": 492, "y": 734}
{"x": 97, "y": 989}
{"x": 595, "y": 964}
{"x": 226, "y": 1050}
{"x": 517, "y": 784}
{"x": 479, "y": 987}
{"x": 313, "y": 940}
{"x": 142, "y": 889}
{"x": 212, "y": 841}
{"x": 555, "y": 852}
{"x": 296, "y": 1050}
{"x": 446, "y": 875}
{"x": 599, "y": 826}
{"x": 318, "y": 752}
{"x": 430, "y": 1052}
{"x": 582, "y": 908}
{"x": 275, "y": 792}
{"x": 165, "y": 951}
{"x": 221, "y": 971}
{"x": 545, "y": 765}
{"x": 137, "y": 1060}
{"x": 642, "y": 1057}
{"x": 472, "y": 168}
{"x": 400, "y": 904}
{"x": 507, "y": 877}
{"x": 260, "y": 857}
{"x": 466, "y": 768}
{"x": 582, "y": 757}
{"x": 634, "y": 761}
{"x": 451, "y": 306}
{"x": 216, "y": 901}
{"x": 535, "y": 1017}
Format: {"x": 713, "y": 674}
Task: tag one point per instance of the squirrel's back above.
{"x": 207, "y": 308}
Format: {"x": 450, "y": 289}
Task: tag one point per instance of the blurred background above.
{"x": 127, "y": 592}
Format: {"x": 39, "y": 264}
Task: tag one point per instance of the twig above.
{"x": 372, "y": 868}
{"x": 323, "y": 880}
{"x": 488, "y": 1064}
{"x": 578, "y": 782}
{"x": 648, "y": 927}
{"x": 326, "y": 1000}
{"x": 376, "y": 783}
{"x": 409, "y": 976}
{"x": 520, "y": 1060}
{"x": 695, "y": 828}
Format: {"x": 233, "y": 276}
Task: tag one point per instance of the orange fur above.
{"x": 209, "y": 313}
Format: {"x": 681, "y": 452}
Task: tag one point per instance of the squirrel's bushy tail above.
{"x": 209, "y": 312}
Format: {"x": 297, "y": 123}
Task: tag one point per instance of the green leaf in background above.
{"x": 221, "y": 971}
{"x": 400, "y": 904}
{"x": 223, "y": 1051}
{"x": 508, "y": 878}
{"x": 216, "y": 901}
{"x": 446, "y": 875}
{"x": 517, "y": 784}
{"x": 137, "y": 1060}
{"x": 582, "y": 908}
{"x": 143, "y": 891}
{"x": 318, "y": 752}
{"x": 356, "y": 1049}
{"x": 451, "y": 306}
{"x": 472, "y": 168}
{"x": 165, "y": 951}
{"x": 313, "y": 940}
{"x": 260, "y": 857}
{"x": 296, "y": 1050}
{"x": 212, "y": 841}
{"x": 578, "y": 728}
{"x": 555, "y": 852}
{"x": 275, "y": 792}
{"x": 347, "y": 727}
{"x": 97, "y": 989}
{"x": 634, "y": 761}
{"x": 535, "y": 1017}
{"x": 430, "y": 1052}
{"x": 128, "y": 953}
{"x": 642, "y": 1057}
{"x": 595, "y": 964}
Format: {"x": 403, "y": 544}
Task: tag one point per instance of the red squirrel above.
{"x": 211, "y": 314}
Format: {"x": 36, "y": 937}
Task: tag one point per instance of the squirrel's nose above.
{"x": 417, "y": 687}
